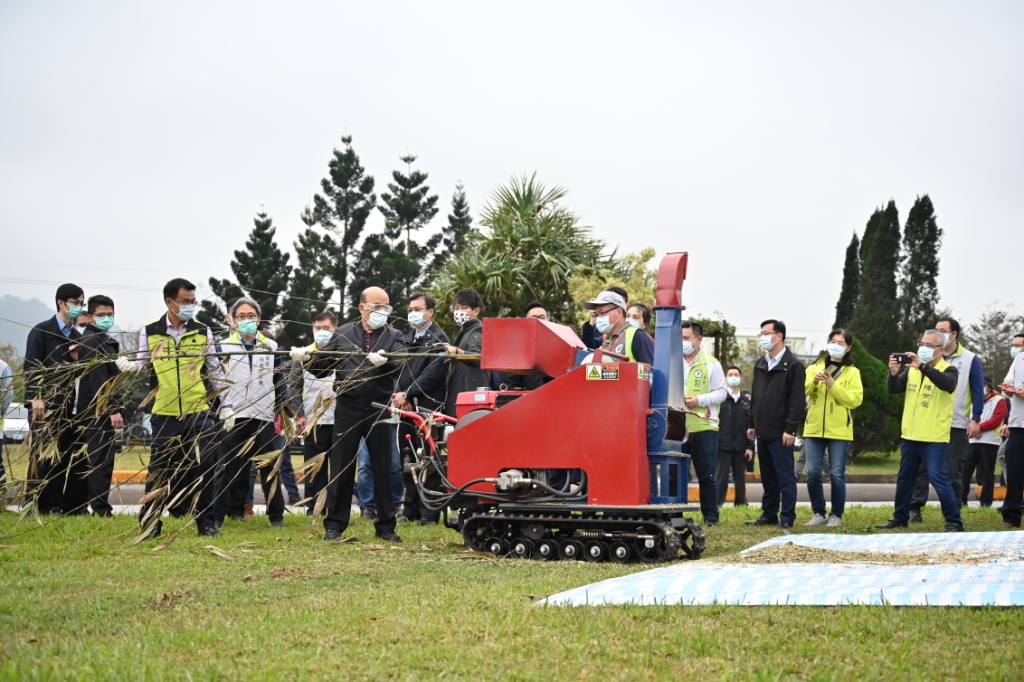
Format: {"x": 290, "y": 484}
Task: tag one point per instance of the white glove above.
{"x": 126, "y": 364}
{"x": 377, "y": 358}
{"x": 227, "y": 418}
{"x": 299, "y": 354}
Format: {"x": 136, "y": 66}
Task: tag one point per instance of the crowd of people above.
{"x": 220, "y": 401}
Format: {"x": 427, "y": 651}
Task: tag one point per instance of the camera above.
{"x": 902, "y": 358}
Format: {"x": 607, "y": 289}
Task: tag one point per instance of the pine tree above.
{"x": 851, "y": 285}
{"x": 407, "y": 208}
{"x": 262, "y": 269}
{"x": 308, "y": 291}
{"x": 455, "y": 235}
{"x": 875, "y": 316}
{"x": 919, "y": 293}
{"x": 383, "y": 264}
{"x": 213, "y": 312}
{"x": 342, "y": 210}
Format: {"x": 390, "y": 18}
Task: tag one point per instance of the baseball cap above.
{"x": 604, "y": 298}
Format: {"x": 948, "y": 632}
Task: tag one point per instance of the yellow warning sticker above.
{"x": 644, "y": 372}
{"x": 602, "y": 372}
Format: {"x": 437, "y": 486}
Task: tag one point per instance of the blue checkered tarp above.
{"x": 998, "y": 582}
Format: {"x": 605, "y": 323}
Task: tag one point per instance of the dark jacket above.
{"x": 99, "y": 350}
{"x": 733, "y": 416}
{"x": 778, "y": 403}
{"x": 431, "y": 342}
{"x": 945, "y": 380}
{"x": 46, "y": 348}
{"x": 455, "y": 376}
{"x": 357, "y": 383}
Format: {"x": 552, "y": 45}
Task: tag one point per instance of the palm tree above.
{"x": 529, "y": 247}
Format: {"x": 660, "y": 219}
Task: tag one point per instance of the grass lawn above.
{"x": 78, "y": 602}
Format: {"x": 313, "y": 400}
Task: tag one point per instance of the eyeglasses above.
{"x": 605, "y": 311}
{"x": 933, "y": 346}
{"x": 192, "y": 302}
{"x": 100, "y": 316}
{"x": 246, "y": 317}
{"x": 536, "y": 317}
{"x": 379, "y": 307}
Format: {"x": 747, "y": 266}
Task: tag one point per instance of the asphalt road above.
{"x": 856, "y": 493}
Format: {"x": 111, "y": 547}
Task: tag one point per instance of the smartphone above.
{"x": 902, "y": 358}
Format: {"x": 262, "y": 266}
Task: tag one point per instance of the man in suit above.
{"x": 49, "y": 391}
{"x": 360, "y": 380}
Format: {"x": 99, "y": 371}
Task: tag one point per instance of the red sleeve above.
{"x": 996, "y": 419}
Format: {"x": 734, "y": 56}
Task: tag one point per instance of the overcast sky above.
{"x": 138, "y": 140}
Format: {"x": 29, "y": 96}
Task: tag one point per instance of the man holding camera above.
{"x": 929, "y": 383}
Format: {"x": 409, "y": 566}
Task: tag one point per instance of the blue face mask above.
{"x": 765, "y": 341}
{"x": 603, "y": 325}
{"x": 688, "y": 348}
{"x": 322, "y": 336}
{"x": 635, "y": 324}
{"x": 187, "y": 312}
{"x": 733, "y": 381}
{"x": 835, "y": 351}
{"x": 416, "y": 319}
{"x": 377, "y": 319}
{"x": 926, "y": 354}
{"x": 74, "y": 311}
{"x": 105, "y": 323}
{"x": 247, "y": 328}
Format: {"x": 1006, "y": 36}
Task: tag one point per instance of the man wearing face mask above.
{"x": 705, "y": 391}
{"x": 777, "y": 407}
{"x": 49, "y": 392}
{"x": 257, "y": 393}
{"x": 184, "y": 431}
{"x": 970, "y": 399}
{"x": 1013, "y": 431}
{"x": 100, "y": 399}
{"x": 359, "y": 381}
{"x": 425, "y": 338}
{"x": 590, "y": 336}
{"x": 609, "y": 309}
{"x": 318, "y": 408}
{"x": 457, "y": 376}
{"x": 929, "y": 383}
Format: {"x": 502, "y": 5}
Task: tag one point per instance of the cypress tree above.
{"x": 851, "y": 285}
{"x": 919, "y": 292}
{"x": 455, "y": 235}
{"x": 346, "y": 202}
{"x": 262, "y": 269}
{"x": 875, "y": 316}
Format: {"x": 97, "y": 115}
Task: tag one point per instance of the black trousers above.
{"x": 182, "y": 458}
{"x": 350, "y": 425}
{"x": 250, "y": 438}
{"x": 1011, "y": 509}
{"x": 59, "y": 463}
{"x": 732, "y": 459}
{"x": 956, "y": 455}
{"x": 412, "y": 504}
{"x": 99, "y": 442}
{"x": 319, "y": 441}
{"x": 980, "y": 457}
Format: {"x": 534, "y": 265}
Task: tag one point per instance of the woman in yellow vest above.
{"x": 834, "y": 391}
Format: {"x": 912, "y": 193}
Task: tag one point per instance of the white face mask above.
{"x": 603, "y": 324}
{"x": 765, "y": 341}
{"x": 835, "y": 351}
{"x": 688, "y": 348}
{"x": 322, "y": 336}
{"x": 377, "y": 319}
{"x": 926, "y": 354}
{"x": 461, "y": 317}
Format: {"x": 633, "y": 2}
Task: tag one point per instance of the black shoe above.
{"x": 332, "y": 534}
{"x": 238, "y": 517}
{"x": 892, "y": 523}
{"x": 915, "y": 517}
{"x": 425, "y": 522}
{"x": 153, "y": 534}
{"x": 208, "y": 531}
{"x": 784, "y": 524}
{"x": 763, "y": 520}
{"x": 218, "y": 524}
{"x": 710, "y": 524}
{"x": 953, "y": 528}
{"x": 389, "y": 537}
{"x": 369, "y": 514}
{"x": 103, "y": 513}
{"x": 279, "y": 523}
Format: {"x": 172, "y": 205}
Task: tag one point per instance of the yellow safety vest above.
{"x": 625, "y": 348}
{"x": 698, "y": 382}
{"x": 180, "y": 388}
{"x": 927, "y": 412}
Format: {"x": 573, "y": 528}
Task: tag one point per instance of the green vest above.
{"x": 627, "y": 343}
{"x": 927, "y": 412}
{"x": 180, "y": 388}
{"x": 698, "y": 382}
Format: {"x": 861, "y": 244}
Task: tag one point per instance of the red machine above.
{"x": 565, "y": 471}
